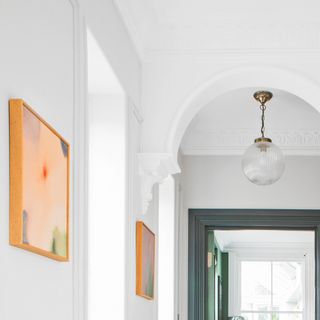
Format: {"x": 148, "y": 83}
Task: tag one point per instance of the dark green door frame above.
{"x": 200, "y": 220}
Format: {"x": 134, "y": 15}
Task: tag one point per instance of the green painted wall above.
{"x": 225, "y": 284}
{"x": 210, "y": 278}
{"x": 213, "y": 274}
{"x": 217, "y": 275}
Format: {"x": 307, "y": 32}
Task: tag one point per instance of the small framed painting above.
{"x": 145, "y": 261}
{"x": 39, "y": 184}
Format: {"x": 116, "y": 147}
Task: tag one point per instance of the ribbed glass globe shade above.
{"x": 263, "y": 163}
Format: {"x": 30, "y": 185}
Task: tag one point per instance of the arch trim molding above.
{"x": 155, "y": 167}
{"x": 237, "y": 78}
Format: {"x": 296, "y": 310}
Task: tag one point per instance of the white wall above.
{"x": 138, "y": 308}
{"x": 167, "y": 246}
{"x": 107, "y": 27}
{"x": 115, "y": 126}
{"x": 177, "y": 83}
{"x": 37, "y": 64}
{"x": 218, "y": 182}
{"x": 40, "y": 61}
{"x": 107, "y": 224}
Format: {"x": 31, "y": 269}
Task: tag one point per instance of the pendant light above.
{"x": 263, "y": 162}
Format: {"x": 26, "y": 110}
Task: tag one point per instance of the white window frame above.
{"x": 303, "y": 254}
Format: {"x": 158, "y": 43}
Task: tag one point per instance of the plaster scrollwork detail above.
{"x": 273, "y": 35}
{"x": 153, "y": 169}
{"x": 235, "y": 141}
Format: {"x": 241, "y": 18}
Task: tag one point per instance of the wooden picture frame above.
{"x": 145, "y": 261}
{"x": 39, "y": 184}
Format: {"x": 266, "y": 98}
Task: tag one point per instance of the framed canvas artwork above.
{"x": 145, "y": 261}
{"x": 39, "y": 184}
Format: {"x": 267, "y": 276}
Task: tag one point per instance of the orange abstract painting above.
{"x": 145, "y": 261}
{"x": 39, "y": 184}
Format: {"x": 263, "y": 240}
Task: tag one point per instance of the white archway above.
{"x": 155, "y": 167}
{"x": 252, "y": 76}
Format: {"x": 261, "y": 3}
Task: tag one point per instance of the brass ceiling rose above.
{"x": 264, "y": 139}
{"x": 263, "y": 96}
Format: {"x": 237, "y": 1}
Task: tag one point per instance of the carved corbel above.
{"x": 154, "y": 168}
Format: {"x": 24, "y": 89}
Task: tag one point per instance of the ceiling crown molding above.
{"x": 158, "y": 29}
{"x": 244, "y": 55}
{"x": 154, "y": 168}
{"x": 128, "y": 21}
{"x": 236, "y": 141}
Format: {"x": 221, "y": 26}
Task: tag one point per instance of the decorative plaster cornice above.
{"x": 154, "y": 168}
{"x": 243, "y": 55}
{"x": 235, "y": 141}
{"x": 239, "y": 39}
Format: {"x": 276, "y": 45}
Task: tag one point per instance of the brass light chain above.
{"x": 263, "y": 109}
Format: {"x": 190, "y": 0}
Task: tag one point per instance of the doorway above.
{"x": 222, "y": 282}
{"x": 263, "y": 274}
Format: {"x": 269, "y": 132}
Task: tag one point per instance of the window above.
{"x": 272, "y": 283}
{"x": 272, "y": 290}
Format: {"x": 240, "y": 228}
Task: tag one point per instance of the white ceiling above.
{"x": 179, "y": 26}
{"x": 262, "y": 238}
{"x": 230, "y": 123}
{"x": 234, "y": 29}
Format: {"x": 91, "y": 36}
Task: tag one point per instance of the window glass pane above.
{"x": 256, "y": 286}
{"x": 257, "y": 316}
{"x": 287, "y": 316}
{"x": 287, "y": 286}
